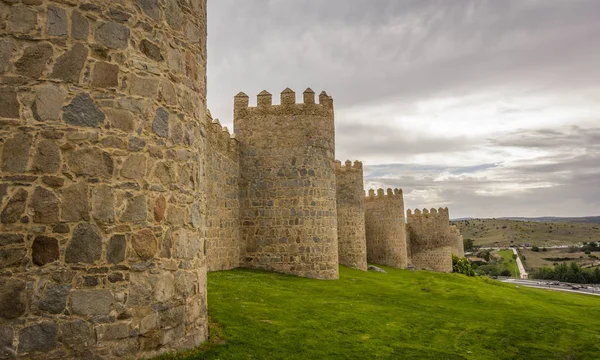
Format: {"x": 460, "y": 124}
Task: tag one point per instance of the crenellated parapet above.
{"x": 349, "y": 166}
{"x": 431, "y": 239}
{"x": 440, "y": 214}
{"x": 287, "y": 105}
{"x": 385, "y": 195}
{"x": 221, "y": 139}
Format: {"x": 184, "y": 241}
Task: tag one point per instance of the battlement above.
{"x": 288, "y": 104}
{"x": 440, "y": 212}
{"x": 395, "y": 194}
{"x": 348, "y": 166}
{"x": 220, "y": 138}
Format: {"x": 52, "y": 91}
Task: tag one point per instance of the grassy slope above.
{"x": 400, "y": 315}
{"x": 493, "y": 232}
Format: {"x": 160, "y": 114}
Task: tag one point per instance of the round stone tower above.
{"x": 287, "y": 184}
{"x": 102, "y": 200}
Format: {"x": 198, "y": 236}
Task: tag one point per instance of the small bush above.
{"x": 462, "y": 266}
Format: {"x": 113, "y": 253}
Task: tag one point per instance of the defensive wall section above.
{"x": 459, "y": 245}
{"x": 431, "y": 239}
{"x": 102, "y": 184}
{"x": 350, "y": 198}
{"x": 287, "y": 184}
{"x": 223, "y": 213}
{"x": 385, "y": 228}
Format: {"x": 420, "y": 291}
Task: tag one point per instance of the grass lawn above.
{"x": 399, "y": 315}
{"x": 510, "y": 263}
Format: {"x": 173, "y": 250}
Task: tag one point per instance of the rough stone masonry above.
{"x": 118, "y": 191}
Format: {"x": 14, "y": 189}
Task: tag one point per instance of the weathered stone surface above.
{"x": 103, "y": 201}
{"x": 112, "y": 331}
{"x": 10, "y": 239}
{"x": 69, "y": 65}
{"x": 150, "y": 8}
{"x": 12, "y": 257}
{"x": 143, "y": 86}
{"x": 172, "y": 317}
{"x": 160, "y": 125}
{"x": 167, "y": 93}
{"x": 9, "y": 105}
{"x": 173, "y": 14}
{"x": 91, "y": 162}
{"x": 34, "y": 60}
{"x": 82, "y": 111}
{"x": 63, "y": 276}
{"x": 112, "y": 35}
{"x": 119, "y": 15}
{"x": 22, "y": 19}
{"x": 144, "y": 243}
{"x": 7, "y": 349}
{"x": 15, "y": 153}
{"x": 48, "y": 103}
{"x": 7, "y": 46}
{"x": 76, "y": 333}
{"x": 55, "y": 298}
{"x": 45, "y": 206}
{"x": 175, "y": 60}
{"x": 38, "y": 338}
{"x": 15, "y": 207}
{"x": 44, "y": 250}
{"x": 91, "y": 302}
{"x": 3, "y": 191}
{"x": 164, "y": 290}
{"x": 56, "y": 22}
{"x": 47, "y": 157}
{"x": 115, "y": 253}
{"x": 136, "y": 144}
{"x": 75, "y": 203}
{"x": 85, "y": 245}
{"x": 134, "y": 167}
{"x": 149, "y": 323}
{"x": 176, "y": 215}
{"x": 12, "y": 298}
{"x": 105, "y": 75}
{"x": 151, "y": 50}
{"x": 185, "y": 282}
{"x": 160, "y": 205}
{"x": 53, "y": 181}
{"x": 135, "y": 210}
{"x": 140, "y": 289}
{"x": 121, "y": 120}
{"x": 80, "y": 26}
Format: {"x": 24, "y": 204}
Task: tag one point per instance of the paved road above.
{"x": 524, "y": 274}
{"x": 552, "y": 285}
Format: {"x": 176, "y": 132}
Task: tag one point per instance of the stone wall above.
{"x": 384, "y": 225}
{"x": 459, "y": 245}
{"x": 287, "y": 184}
{"x": 102, "y": 184}
{"x": 350, "y": 195}
{"x": 431, "y": 239}
{"x": 223, "y": 215}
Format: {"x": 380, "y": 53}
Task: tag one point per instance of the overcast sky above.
{"x": 491, "y": 108}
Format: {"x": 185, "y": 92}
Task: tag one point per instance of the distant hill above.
{"x": 585, "y": 219}
{"x": 518, "y": 231}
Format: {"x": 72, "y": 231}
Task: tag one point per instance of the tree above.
{"x": 468, "y": 244}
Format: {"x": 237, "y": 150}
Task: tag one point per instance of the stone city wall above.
{"x": 102, "y": 184}
{"x": 223, "y": 213}
{"x": 287, "y": 184}
{"x": 459, "y": 245}
{"x": 431, "y": 239}
{"x": 384, "y": 225}
{"x": 350, "y": 195}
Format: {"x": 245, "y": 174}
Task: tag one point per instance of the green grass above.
{"x": 509, "y": 263}
{"x": 399, "y": 315}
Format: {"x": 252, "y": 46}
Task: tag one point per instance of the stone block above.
{"x": 173, "y": 14}
{"x": 160, "y": 125}
{"x": 151, "y": 50}
{"x": 121, "y": 120}
{"x": 150, "y": 8}
{"x": 45, "y": 206}
{"x": 15, "y": 153}
{"x": 167, "y": 93}
{"x": 164, "y": 289}
{"x": 13, "y": 301}
{"x": 11, "y": 239}
{"x": 75, "y": 203}
{"x": 112, "y": 332}
{"x": 142, "y": 86}
{"x": 7, "y": 46}
{"x": 34, "y": 60}
{"x": 48, "y": 103}
{"x": 80, "y": 26}
{"x": 7, "y": 349}
{"x": 115, "y": 253}
{"x": 12, "y": 257}
{"x": 145, "y": 244}
{"x": 149, "y": 323}
{"x": 160, "y": 205}
{"x": 91, "y": 302}
{"x": 112, "y": 35}
{"x": 56, "y": 21}
{"x": 76, "y": 334}
{"x": 103, "y": 204}
{"x": 55, "y": 298}
{"x": 9, "y": 105}
{"x": 15, "y": 207}
{"x": 40, "y": 337}
{"x": 69, "y": 65}
{"x": 134, "y": 167}
{"x": 22, "y": 19}
{"x": 135, "y": 209}
{"x": 44, "y": 250}
{"x": 136, "y": 144}
{"x": 85, "y": 245}
{"x": 91, "y": 162}
{"x": 47, "y": 157}
{"x": 105, "y": 75}
{"x": 82, "y": 111}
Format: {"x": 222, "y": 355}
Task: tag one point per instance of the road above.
{"x": 524, "y": 274}
{"x": 555, "y": 285}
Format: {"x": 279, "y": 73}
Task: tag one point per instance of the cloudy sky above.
{"x": 489, "y": 107}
